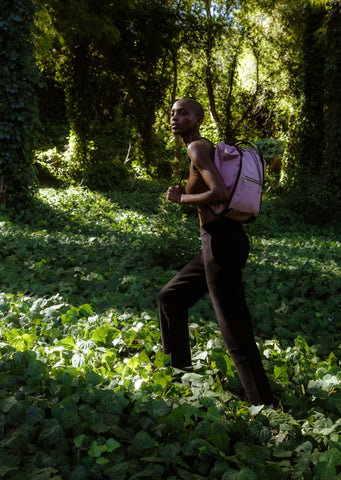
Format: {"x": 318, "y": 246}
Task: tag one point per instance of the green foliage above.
{"x": 267, "y": 69}
{"x": 107, "y": 58}
{"x": 86, "y": 391}
{"x": 17, "y": 102}
{"x": 333, "y": 102}
{"x": 51, "y": 167}
{"x": 332, "y": 93}
{"x": 81, "y": 28}
{"x": 311, "y": 140}
{"x": 270, "y": 148}
{"x": 105, "y": 176}
{"x": 315, "y": 137}
{"x": 111, "y": 146}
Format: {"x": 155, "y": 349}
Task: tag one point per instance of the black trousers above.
{"x": 217, "y": 269}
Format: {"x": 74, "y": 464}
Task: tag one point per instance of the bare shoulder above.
{"x": 200, "y": 150}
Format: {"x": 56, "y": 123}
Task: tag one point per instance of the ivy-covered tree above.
{"x": 18, "y": 105}
{"x": 311, "y": 142}
{"x": 315, "y": 189}
{"x": 333, "y": 108}
{"x": 333, "y": 91}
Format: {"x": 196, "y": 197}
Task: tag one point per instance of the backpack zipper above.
{"x": 244, "y": 177}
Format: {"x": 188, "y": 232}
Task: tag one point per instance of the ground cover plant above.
{"x": 86, "y": 392}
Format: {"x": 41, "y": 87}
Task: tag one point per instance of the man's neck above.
{"x": 190, "y": 137}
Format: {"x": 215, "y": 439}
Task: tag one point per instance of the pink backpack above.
{"x": 242, "y": 170}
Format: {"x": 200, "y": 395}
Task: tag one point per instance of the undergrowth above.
{"x": 86, "y": 392}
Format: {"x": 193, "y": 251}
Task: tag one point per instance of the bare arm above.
{"x": 199, "y": 153}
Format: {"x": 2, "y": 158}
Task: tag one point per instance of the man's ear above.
{"x": 199, "y": 121}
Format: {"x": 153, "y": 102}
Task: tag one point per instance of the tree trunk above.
{"x": 77, "y": 104}
{"x": 229, "y": 129}
{"x": 313, "y": 135}
{"x": 18, "y": 102}
{"x": 333, "y": 90}
{"x": 208, "y": 67}
{"x": 177, "y": 149}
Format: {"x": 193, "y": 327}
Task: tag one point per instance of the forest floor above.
{"x": 85, "y": 391}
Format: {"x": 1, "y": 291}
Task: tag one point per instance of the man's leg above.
{"x": 182, "y": 292}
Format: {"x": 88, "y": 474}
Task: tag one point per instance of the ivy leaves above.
{"x": 86, "y": 391}
{"x": 18, "y": 106}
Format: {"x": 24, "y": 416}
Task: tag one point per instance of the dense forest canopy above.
{"x": 90, "y": 96}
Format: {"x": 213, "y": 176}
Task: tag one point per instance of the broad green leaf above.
{"x": 159, "y": 408}
{"x": 152, "y": 471}
{"x": 118, "y": 471}
{"x": 160, "y": 359}
{"x": 36, "y": 368}
{"x": 85, "y": 310}
{"x": 79, "y": 440}
{"x": 67, "y": 342}
{"x": 112, "y": 445}
{"x": 281, "y": 372}
{"x": 96, "y": 422}
{"x": 325, "y": 471}
{"x": 278, "y": 471}
{"x": 133, "y": 363}
{"x": 305, "y": 447}
{"x": 94, "y": 450}
{"x": 242, "y": 474}
{"x": 71, "y": 316}
{"x": 143, "y": 441}
{"x": 260, "y": 432}
{"x": 5, "y": 470}
{"x": 34, "y": 415}
{"x": 220, "y": 362}
{"x": 161, "y": 378}
{"x": 282, "y": 452}
{"x": 143, "y": 357}
{"x": 44, "y": 473}
{"x": 213, "y": 414}
{"x": 100, "y": 334}
{"x": 51, "y": 433}
{"x": 93, "y": 378}
{"x": 255, "y": 454}
{"x": 220, "y": 440}
{"x": 332, "y": 456}
{"x": 8, "y": 403}
{"x": 170, "y": 451}
{"x": 66, "y": 412}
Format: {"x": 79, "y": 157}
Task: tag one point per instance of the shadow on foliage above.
{"x": 49, "y": 251}
{"x": 291, "y": 286}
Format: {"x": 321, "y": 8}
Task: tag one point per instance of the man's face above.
{"x": 183, "y": 118}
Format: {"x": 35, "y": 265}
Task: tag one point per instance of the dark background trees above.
{"x": 109, "y": 71}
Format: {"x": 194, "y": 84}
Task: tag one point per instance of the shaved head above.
{"x": 193, "y": 105}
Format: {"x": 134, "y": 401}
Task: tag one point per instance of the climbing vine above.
{"x": 317, "y": 134}
{"x": 333, "y": 92}
{"x": 18, "y": 105}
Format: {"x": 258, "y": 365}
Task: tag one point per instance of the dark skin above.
{"x": 186, "y": 122}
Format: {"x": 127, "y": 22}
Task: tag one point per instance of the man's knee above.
{"x": 169, "y": 296}
{"x": 163, "y": 296}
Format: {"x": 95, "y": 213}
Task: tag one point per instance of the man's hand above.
{"x": 174, "y": 194}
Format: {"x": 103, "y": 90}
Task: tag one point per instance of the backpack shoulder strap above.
{"x": 209, "y": 141}
{"x": 246, "y": 143}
